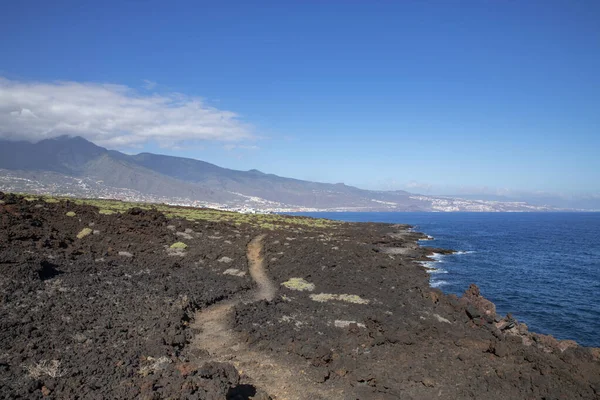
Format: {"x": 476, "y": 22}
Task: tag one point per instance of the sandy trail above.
{"x": 266, "y": 289}
{"x": 282, "y": 380}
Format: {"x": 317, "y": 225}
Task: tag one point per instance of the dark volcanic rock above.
{"x": 475, "y": 301}
{"x": 79, "y": 321}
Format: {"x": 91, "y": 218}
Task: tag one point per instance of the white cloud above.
{"x": 112, "y": 115}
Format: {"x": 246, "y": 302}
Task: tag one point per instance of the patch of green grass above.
{"x": 51, "y": 200}
{"x": 70, "y": 214}
{"x": 84, "y": 232}
{"x": 179, "y": 245}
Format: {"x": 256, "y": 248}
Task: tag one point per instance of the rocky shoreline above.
{"x": 103, "y": 305}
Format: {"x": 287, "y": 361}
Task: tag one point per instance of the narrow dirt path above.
{"x": 266, "y": 289}
{"x": 216, "y": 334}
{"x": 281, "y": 379}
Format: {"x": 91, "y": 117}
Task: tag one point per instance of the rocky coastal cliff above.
{"x": 113, "y": 301}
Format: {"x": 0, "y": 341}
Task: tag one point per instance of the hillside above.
{"x": 77, "y": 167}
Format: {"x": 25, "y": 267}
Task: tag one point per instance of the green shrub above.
{"x": 179, "y": 245}
{"x": 349, "y": 298}
{"x": 299, "y": 284}
{"x": 70, "y": 214}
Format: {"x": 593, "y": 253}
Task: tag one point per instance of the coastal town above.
{"x": 61, "y": 185}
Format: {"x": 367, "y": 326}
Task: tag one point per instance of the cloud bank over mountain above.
{"x": 112, "y": 115}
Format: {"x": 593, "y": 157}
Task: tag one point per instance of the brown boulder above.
{"x": 500, "y": 349}
{"x": 473, "y": 297}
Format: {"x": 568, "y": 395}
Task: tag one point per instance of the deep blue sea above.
{"x": 544, "y": 268}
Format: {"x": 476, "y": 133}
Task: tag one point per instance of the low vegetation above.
{"x": 348, "y": 298}
{"x": 50, "y": 368}
{"x": 70, "y": 214}
{"x": 179, "y": 245}
{"x": 299, "y": 284}
{"x": 262, "y": 221}
{"x": 152, "y": 365}
{"x": 269, "y": 222}
{"x": 84, "y": 232}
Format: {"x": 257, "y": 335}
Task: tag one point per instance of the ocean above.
{"x": 544, "y": 268}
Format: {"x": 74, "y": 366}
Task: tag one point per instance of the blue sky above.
{"x": 437, "y": 97}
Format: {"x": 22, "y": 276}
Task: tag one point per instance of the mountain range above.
{"x": 77, "y": 167}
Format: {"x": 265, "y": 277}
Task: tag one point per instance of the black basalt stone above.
{"x": 472, "y": 312}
